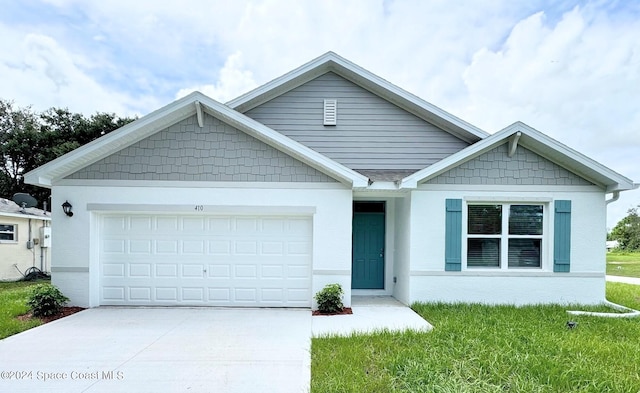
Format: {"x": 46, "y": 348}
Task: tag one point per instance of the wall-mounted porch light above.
{"x": 66, "y": 207}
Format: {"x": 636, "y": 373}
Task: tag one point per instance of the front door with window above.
{"x": 368, "y": 246}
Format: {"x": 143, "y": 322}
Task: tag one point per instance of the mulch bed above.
{"x": 65, "y": 312}
{"x": 345, "y": 311}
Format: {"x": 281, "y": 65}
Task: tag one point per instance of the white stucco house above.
{"x": 327, "y": 174}
{"x": 24, "y": 240}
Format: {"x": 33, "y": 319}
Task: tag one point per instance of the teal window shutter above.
{"x": 453, "y": 236}
{"x": 562, "y": 237}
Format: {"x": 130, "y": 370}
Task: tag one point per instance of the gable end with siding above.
{"x": 496, "y": 167}
{"x": 215, "y": 152}
{"x": 371, "y": 134}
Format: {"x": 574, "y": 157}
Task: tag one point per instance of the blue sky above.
{"x": 570, "y": 69}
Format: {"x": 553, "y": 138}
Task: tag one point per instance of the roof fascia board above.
{"x": 25, "y": 216}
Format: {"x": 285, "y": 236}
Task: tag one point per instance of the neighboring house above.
{"x": 22, "y": 240}
{"x": 328, "y": 174}
{"x": 612, "y": 245}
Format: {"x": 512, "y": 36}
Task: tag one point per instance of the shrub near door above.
{"x": 330, "y": 299}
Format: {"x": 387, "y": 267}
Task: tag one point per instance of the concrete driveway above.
{"x": 162, "y": 350}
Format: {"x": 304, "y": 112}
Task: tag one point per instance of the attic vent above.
{"x": 330, "y": 112}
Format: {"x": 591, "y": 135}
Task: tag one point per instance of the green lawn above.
{"x": 476, "y": 348}
{"x": 13, "y": 297}
{"x": 623, "y": 264}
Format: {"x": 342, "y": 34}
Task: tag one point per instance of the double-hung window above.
{"x": 8, "y": 233}
{"x": 505, "y": 236}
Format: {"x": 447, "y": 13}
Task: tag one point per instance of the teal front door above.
{"x": 368, "y": 251}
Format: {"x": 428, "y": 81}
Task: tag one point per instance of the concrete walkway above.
{"x": 626, "y": 280}
{"x": 370, "y": 314}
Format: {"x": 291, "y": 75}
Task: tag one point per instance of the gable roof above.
{"x": 178, "y": 110}
{"x": 539, "y": 143}
{"x": 331, "y": 62}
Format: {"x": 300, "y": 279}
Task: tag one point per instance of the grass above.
{"x": 623, "y": 264}
{"x": 476, "y": 348}
{"x": 13, "y": 303}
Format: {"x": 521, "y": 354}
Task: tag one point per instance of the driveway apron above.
{"x": 162, "y": 350}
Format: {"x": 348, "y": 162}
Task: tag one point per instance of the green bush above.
{"x": 330, "y": 299}
{"x": 45, "y": 300}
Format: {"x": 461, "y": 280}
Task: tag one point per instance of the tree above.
{"x": 29, "y": 140}
{"x": 627, "y": 231}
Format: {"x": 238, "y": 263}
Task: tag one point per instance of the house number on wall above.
{"x": 199, "y": 208}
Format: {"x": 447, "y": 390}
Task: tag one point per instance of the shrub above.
{"x": 330, "y": 299}
{"x": 45, "y": 300}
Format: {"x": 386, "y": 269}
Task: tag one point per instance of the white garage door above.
{"x": 251, "y": 261}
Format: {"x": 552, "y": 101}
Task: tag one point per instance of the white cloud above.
{"x": 233, "y": 81}
{"x": 37, "y": 71}
{"x": 576, "y": 81}
{"x": 570, "y": 72}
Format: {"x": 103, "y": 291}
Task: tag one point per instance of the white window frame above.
{"x": 505, "y": 236}
{"x": 14, "y": 232}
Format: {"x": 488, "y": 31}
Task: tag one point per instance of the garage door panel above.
{"x": 193, "y": 225}
{"x": 247, "y": 295}
{"x": 113, "y": 269}
{"x": 140, "y": 246}
{"x": 193, "y": 247}
{"x": 113, "y": 246}
{"x": 227, "y": 261}
{"x": 114, "y": 223}
{"x": 168, "y": 223}
{"x": 166, "y": 270}
{"x": 219, "y": 295}
{"x": 115, "y": 294}
{"x": 166, "y": 247}
{"x": 193, "y": 294}
{"x": 193, "y": 270}
{"x": 245, "y": 248}
{"x": 142, "y": 270}
{"x": 246, "y": 225}
{"x": 140, "y": 294}
{"x": 166, "y": 294}
{"x": 219, "y": 271}
{"x": 272, "y": 295}
{"x": 220, "y": 247}
{"x": 246, "y": 271}
{"x": 140, "y": 223}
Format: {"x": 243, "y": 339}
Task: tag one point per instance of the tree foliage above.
{"x": 627, "y": 231}
{"x": 29, "y": 140}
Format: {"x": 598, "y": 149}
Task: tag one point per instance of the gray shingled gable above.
{"x": 496, "y": 167}
{"x": 371, "y": 134}
{"x": 215, "y": 152}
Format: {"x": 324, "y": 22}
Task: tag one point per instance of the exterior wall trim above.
{"x": 508, "y": 188}
{"x": 496, "y": 273}
{"x": 203, "y": 209}
{"x": 323, "y": 272}
{"x": 69, "y": 269}
{"x": 195, "y": 184}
